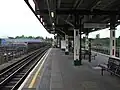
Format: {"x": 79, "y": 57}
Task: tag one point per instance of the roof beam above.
{"x": 67, "y": 21}
{"x": 59, "y": 3}
{"x": 27, "y": 2}
{"x": 49, "y": 12}
{"x": 94, "y": 4}
{"x": 76, "y": 5}
{"x": 58, "y": 25}
{"x": 57, "y": 7}
{"x": 82, "y": 12}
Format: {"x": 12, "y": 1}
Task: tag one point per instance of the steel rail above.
{"x": 10, "y": 82}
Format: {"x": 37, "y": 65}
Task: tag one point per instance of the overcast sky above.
{"x": 17, "y": 19}
{"x": 105, "y": 33}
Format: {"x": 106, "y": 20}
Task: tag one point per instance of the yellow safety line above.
{"x": 36, "y": 74}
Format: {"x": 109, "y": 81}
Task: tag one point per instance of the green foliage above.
{"x": 97, "y": 36}
{"x": 39, "y": 37}
{"x": 32, "y": 37}
{"x": 20, "y": 37}
{"x": 48, "y": 39}
{"x": 29, "y": 37}
{"x": 119, "y": 37}
{"x": 11, "y": 37}
{"x": 118, "y": 42}
{"x": 105, "y": 41}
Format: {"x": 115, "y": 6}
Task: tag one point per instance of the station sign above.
{"x": 95, "y": 25}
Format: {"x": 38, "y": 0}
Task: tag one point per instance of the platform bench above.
{"x": 113, "y": 66}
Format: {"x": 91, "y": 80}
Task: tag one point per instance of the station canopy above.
{"x": 58, "y": 16}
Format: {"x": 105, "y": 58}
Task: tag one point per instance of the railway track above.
{"x": 13, "y": 76}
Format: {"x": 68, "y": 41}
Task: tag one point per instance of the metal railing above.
{"x": 105, "y": 50}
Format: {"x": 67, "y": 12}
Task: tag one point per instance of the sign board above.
{"x": 95, "y": 25}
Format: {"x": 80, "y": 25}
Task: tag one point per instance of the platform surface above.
{"x": 59, "y": 73}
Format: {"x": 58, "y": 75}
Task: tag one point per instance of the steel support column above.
{"x": 63, "y": 43}
{"x": 86, "y": 42}
{"x": 77, "y": 48}
{"x": 66, "y": 49}
{"x": 86, "y": 18}
{"x": 80, "y": 52}
{"x": 58, "y": 41}
{"x": 72, "y": 46}
{"x": 89, "y": 51}
{"x": 54, "y": 44}
{"x": 112, "y": 42}
{"x": 112, "y": 36}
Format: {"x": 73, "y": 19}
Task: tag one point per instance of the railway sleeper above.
{"x": 11, "y": 83}
{"x": 19, "y": 75}
{"x": 16, "y": 79}
{"x": 8, "y": 87}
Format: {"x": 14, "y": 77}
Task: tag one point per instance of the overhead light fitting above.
{"x": 53, "y": 24}
{"x": 43, "y": 23}
{"x": 108, "y": 23}
{"x": 118, "y": 20}
{"x": 52, "y": 14}
{"x": 55, "y": 34}
{"x": 41, "y": 19}
{"x": 38, "y": 16}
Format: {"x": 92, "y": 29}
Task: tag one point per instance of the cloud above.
{"x": 17, "y": 19}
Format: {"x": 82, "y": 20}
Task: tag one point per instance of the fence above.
{"x": 105, "y": 50}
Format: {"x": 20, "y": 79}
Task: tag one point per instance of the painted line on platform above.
{"x": 36, "y": 74}
{"x": 30, "y": 74}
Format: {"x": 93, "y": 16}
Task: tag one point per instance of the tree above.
{"x": 39, "y": 37}
{"x": 22, "y": 36}
{"x": 30, "y": 37}
{"x": 46, "y": 38}
{"x": 11, "y": 37}
{"x": 119, "y": 37}
{"x": 17, "y": 37}
{"x": 97, "y": 36}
